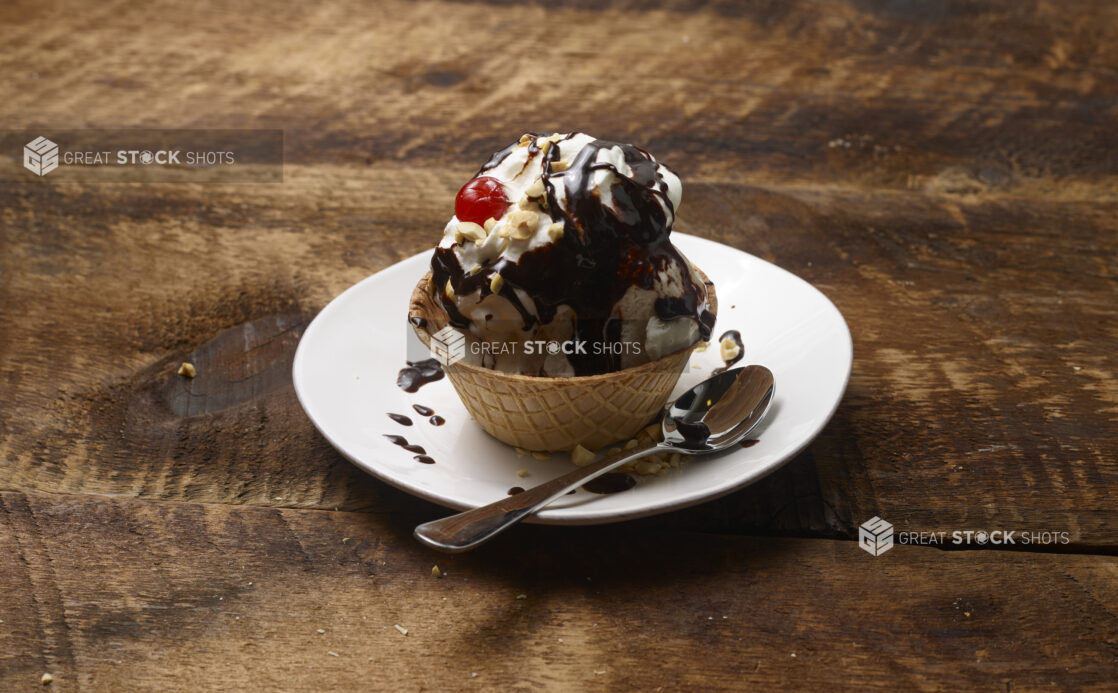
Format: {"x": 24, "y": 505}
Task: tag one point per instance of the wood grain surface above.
{"x": 947, "y": 173}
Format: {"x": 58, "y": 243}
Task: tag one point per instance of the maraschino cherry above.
{"x": 480, "y": 199}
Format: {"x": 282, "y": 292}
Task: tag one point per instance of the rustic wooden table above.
{"x": 945, "y": 173}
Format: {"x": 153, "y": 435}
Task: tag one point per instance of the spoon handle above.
{"x": 468, "y": 529}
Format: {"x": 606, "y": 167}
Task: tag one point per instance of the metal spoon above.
{"x": 710, "y": 417}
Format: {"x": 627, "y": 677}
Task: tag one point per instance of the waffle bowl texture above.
{"x": 551, "y": 414}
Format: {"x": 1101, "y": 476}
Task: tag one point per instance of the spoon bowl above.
{"x": 719, "y": 411}
{"x": 710, "y": 417}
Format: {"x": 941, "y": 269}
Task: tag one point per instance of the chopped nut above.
{"x": 581, "y": 456}
{"x": 521, "y": 596}
{"x": 332, "y": 653}
{"x": 188, "y": 370}
{"x": 554, "y": 137}
{"x": 521, "y": 451}
{"x": 701, "y": 346}
{"x": 400, "y": 628}
{"x": 449, "y": 291}
{"x": 472, "y": 231}
{"x": 436, "y": 572}
{"x": 46, "y": 679}
{"x": 489, "y": 224}
{"x": 613, "y": 451}
{"x": 522, "y": 473}
{"x": 519, "y": 224}
{"x": 496, "y": 283}
{"x": 555, "y": 231}
{"x": 543, "y": 144}
{"x": 559, "y": 166}
{"x": 541, "y": 456}
{"x": 631, "y": 444}
{"x": 320, "y": 631}
{"x": 535, "y": 189}
{"x": 729, "y": 349}
{"x": 525, "y": 139}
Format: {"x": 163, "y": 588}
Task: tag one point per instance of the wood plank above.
{"x": 991, "y": 97}
{"x": 119, "y": 594}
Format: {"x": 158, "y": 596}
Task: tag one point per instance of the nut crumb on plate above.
{"x": 729, "y": 349}
{"x": 581, "y": 456}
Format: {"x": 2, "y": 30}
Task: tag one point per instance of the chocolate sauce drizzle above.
{"x": 418, "y": 373}
{"x": 614, "y": 482}
{"x": 602, "y": 253}
{"x": 403, "y": 442}
{"x": 400, "y": 419}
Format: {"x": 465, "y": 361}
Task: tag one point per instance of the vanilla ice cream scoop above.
{"x": 558, "y": 260}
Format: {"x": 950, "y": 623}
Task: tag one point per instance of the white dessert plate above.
{"x": 346, "y": 366}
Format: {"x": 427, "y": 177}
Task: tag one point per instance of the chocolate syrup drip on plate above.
{"x": 515, "y": 490}
{"x": 422, "y": 410}
{"x": 424, "y": 459}
{"x": 403, "y": 442}
{"x": 436, "y": 420}
{"x": 602, "y": 253}
{"x": 400, "y": 419}
{"x": 419, "y": 373}
{"x": 749, "y": 442}
{"x": 614, "y": 482}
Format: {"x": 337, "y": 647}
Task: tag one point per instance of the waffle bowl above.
{"x": 549, "y": 414}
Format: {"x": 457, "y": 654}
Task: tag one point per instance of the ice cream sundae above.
{"x": 558, "y": 267}
{"x": 564, "y": 239}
